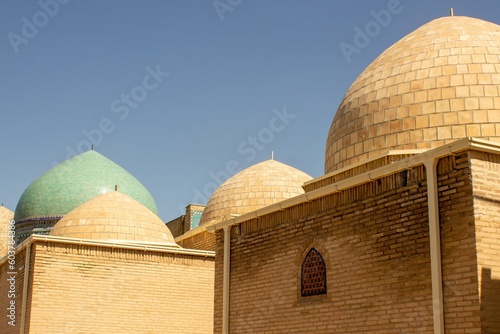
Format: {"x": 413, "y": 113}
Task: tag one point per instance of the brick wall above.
{"x": 458, "y": 246}
{"x": 182, "y": 224}
{"x": 485, "y": 171}
{"x": 203, "y": 240}
{"x": 6, "y": 293}
{"x": 374, "y": 240}
{"x": 176, "y": 226}
{"x": 92, "y": 289}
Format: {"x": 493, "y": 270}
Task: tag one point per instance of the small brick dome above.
{"x": 114, "y": 217}
{"x": 257, "y": 186}
{"x": 438, "y": 84}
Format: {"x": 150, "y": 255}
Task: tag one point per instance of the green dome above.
{"x": 76, "y": 181}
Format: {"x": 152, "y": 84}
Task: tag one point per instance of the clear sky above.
{"x": 183, "y": 93}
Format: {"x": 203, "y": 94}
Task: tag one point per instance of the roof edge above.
{"x": 153, "y": 247}
{"x": 419, "y": 159}
{"x": 383, "y": 154}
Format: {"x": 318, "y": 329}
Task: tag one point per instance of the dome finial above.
{"x": 272, "y": 155}
{"x": 92, "y": 147}
{"x": 451, "y": 11}
{"x": 348, "y": 143}
{"x": 116, "y": 187}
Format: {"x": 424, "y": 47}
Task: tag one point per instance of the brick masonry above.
{"x": 5, "y": 217}
{"x": 176, "y": 226}
{"x": 458, "y": 246}
{"x": 7, "y": 294}
{"x": 187, "y": 222}
{"x": 375, "y": 243}
{"x": 203, "y": 241}
{"x": 436, "y": 85}
{"x": 94, "y": 289}
{"x": 485, "y": 171}
{"x": 255, "y": 187}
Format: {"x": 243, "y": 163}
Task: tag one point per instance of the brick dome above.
{"x": 5, "y": 217}
{"x": 257, "y": 186}
{"x": 114, "y": 217}
{"x": 438, "y": 84}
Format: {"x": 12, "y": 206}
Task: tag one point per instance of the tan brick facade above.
{"x": 187, "y": 222}
{"x": 485, "y": 171}
{"x": 9, "y": 294}
{"x": 458, "y": 246}
{"x": 203, "y": 241}
{"x": 5, "y": 217}
{"x": 176, "y": 226}
{"x": 366, "y": 248}
{"x": 375, "y": 242}
{"x": 97, "y": 289}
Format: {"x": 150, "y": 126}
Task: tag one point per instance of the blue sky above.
{"x": 183, "y": 93}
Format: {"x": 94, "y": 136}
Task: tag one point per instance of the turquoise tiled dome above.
{"x": 76, "y": 181}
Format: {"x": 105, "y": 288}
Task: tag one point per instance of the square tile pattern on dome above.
{"x": 436, "y": 85}
{"x": 113, "y": 216}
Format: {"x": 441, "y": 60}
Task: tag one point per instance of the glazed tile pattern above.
{"x": 5, "y": 217}
{"x": 74, "y": 182}
{"x": 113, "y": 216}
{"x": 438, "y": 84}
{"x": 257, "y": 186}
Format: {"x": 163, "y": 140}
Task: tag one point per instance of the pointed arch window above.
{"x": 313, "y": 274}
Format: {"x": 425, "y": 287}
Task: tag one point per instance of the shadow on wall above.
{"x": 490, "y": 303}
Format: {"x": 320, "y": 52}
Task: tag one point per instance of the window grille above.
{"x": 313, "y": 274}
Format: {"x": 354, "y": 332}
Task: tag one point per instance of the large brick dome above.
{"x": 257, "y": 186}
{"x": 436, "y": 85}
